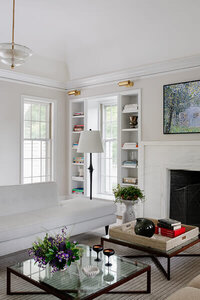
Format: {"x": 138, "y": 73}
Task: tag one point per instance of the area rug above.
{"x": 183, "y": 269}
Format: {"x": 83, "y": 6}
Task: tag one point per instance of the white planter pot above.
{"x": 129, "y": 214}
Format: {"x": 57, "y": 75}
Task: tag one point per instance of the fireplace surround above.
{"x": 185, "y": 196}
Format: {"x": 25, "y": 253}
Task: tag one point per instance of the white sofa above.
{"x": 29, "y": 211}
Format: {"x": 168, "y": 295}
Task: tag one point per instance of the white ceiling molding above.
{"x": 137, "y": 72}
{"x": 9, "y": 75}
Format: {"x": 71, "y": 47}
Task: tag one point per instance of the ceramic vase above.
{"x": 129, "y": 213}
{"x": 144, "y": 227}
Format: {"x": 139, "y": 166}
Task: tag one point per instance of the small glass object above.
{"x": 97, "y": 249}
{"x": 108, "y": 252}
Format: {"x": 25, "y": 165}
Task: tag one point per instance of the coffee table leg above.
{"x": 8, "y": 282}
{"x": 168, "y": 268}
{"x": 149, "y": 281}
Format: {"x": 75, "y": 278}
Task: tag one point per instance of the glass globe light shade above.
{"x": 13, "y": 54}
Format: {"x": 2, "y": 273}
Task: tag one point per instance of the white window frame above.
{"x": 53, "y": 133}
{"x": 102, "y": 112}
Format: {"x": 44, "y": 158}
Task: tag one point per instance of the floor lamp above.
{"x": 90, "y": 142}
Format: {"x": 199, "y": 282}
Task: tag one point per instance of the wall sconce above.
{"x": 127, "y": 83}
{"x": 74, "y": 92}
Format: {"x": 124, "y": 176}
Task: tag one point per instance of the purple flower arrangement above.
{"x": 56, "y": 250}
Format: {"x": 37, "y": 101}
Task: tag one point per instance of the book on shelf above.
{"x": 78, "y": 191}
{"x": 129, "y": 145}
{"x": 130, "y": 107}
{"x": 79, "y": 113}
{"x": 132, "y": 163}
{"x": 130, "y": 180}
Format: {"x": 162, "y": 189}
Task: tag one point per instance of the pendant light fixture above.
{"x": 13, "y": 54}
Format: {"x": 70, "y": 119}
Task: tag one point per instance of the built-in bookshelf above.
{"x": 77, "y": 160}
{"x": 129, "y": 136}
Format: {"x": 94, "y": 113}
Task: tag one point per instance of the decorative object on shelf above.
{"x": 126, "y": 83}
{"x": 129, "y": 196}
{"x": 80, "y": 171}
{"x": 108, "y": 253}
{"x": 133, "y": 121}
{"x": 74, "y": 93}
{"x": 91, "y": 271}
{"x": 14, "y": 54}
{"x": 131, "y": 180}
{"x": 97, "y": 249}
{"x": 130, "y": 108}
{"x": 144, "y": 227}
{"x": 90, "y": 142}
{"x": 78, "y": 191}
{"x": 181, "y": 105}
{"x": 56, "y": 250}
{"x": 78, "y": 128}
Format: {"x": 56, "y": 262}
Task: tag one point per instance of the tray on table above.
{"x": 126, "y": 233}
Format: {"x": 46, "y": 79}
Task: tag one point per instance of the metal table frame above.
{"x": 47, "y": 289}
{"x": 154, "y": 254}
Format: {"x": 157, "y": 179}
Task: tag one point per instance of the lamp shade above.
{"x": 90, "y": 142}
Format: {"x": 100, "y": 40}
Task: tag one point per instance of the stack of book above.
{"x": 130, "y": 163}
{"x": 129, "y": 146}
{"x": 79, "y": 113}
{"x": 78, "y": 128}
{"x": 130, "y": 108}
{"x": 170, "y": 228}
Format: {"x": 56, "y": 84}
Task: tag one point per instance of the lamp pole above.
{"x": 91, "y": 169}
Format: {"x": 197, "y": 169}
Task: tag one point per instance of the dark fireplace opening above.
{"x": 185, "y": 196}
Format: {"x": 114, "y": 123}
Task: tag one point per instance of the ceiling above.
{"x": 91, "y": 37}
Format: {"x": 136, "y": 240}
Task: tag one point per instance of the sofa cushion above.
{"x": 74, "y": 211}
{"x": 186, "y": 293}
{"x": 19, "y": 225}
{"x": 16, "y": 199}
{"x": 195, "y": 282}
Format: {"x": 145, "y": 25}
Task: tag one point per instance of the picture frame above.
{"x": 181, "y": 107}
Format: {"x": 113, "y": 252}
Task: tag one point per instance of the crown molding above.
{"x": 9, "y": 75}
{"x": 137, "y": 72}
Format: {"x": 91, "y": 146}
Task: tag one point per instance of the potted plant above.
{"x": 129, "y": 195}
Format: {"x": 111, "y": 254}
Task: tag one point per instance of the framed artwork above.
{"x": 181, "y": 107}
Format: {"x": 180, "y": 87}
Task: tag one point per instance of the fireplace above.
{"x": 185, "y": 196}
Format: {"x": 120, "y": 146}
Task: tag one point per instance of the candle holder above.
{"x": 97, "y": 249}
{"x": 108, "y": 252}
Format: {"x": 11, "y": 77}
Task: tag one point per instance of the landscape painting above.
{"x": 181, "y": 107}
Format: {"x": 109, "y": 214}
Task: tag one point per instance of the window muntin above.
{"x": 109, "y": 157}
{"x": 37, "y": 142}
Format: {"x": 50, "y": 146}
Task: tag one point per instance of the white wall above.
{"x": 152, "y": 130}
{"x": 10, "y": 128}
{"x": 152, "y": 102}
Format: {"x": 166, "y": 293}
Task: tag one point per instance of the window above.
{"x": 109, "y": 157}
{"x": 37, "y": 141}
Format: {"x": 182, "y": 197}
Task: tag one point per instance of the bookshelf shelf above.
{"x": 77, "y": 117}
{"x": 130, "y": 129}
{"x": 129, "y": 167}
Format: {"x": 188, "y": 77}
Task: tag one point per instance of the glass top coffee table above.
{"x": 73, "y": 283}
